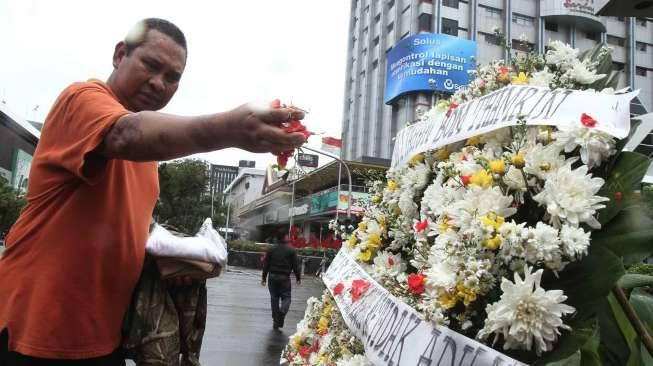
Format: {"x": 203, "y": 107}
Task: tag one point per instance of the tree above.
{"x": 11, "y": 202}
{"x": 185, "y": 199}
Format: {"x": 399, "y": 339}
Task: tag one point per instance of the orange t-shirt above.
{"x": 75, "y": 254}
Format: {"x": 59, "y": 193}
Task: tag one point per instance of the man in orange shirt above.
{"x": 75, "y": 253}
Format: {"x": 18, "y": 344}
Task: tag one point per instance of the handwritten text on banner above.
{"x": 504, "y": 107}
{"x": 395, "y": 334}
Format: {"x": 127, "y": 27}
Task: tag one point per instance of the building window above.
{"x": 375, "y": 64}
{"x": 523, "y": 19}
{"x": 424, "y": 22}
{"x": 405, "y": 9}
{"x": 553, "y": 27}
{"x": 377, "y": 18}
{"x": 522, "y": 46}
{"x": 450, "y": 26}
{"x": 641, "y": 71}
{"x": 405, "y": 35}
{"x": 365, "y": 30}
{"x": 618, "y": 66}
{"x": 493, "y": 12}
{"x": 391, "y": 3}
{"x": 492, "y": 39}
{"x": 641, "y": 22}
{"x": 641, "y": 46}
{"x": 594, "y": 36}
{"x": 621, "y": 19}
{"x": 617, "y": 41}
{"x": 391, "y": 26}
{"x": 375, "y": 41}
{"x": 450, "y": 3}
{"x": 367, "y": 8}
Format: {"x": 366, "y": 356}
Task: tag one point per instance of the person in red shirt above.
{"x": 74, "y": 255}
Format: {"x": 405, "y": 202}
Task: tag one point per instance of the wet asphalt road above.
{"x": 239, "y": 322}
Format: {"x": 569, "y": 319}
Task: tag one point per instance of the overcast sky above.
{"x": 237, "y": 51}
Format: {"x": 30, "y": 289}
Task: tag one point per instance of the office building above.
{"x": 377, "y": 25}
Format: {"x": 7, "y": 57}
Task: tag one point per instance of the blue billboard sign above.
{"x": 428, "y": 61}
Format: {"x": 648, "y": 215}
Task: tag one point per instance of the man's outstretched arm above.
{"x": 152, "y": 136}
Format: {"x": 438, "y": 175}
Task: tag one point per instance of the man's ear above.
{"x": 119, "y": 53}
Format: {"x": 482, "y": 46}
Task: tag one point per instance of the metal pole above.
{"x": 346, "y": 168}
{"x": 291, "y": 211}
{"x": 338, "y": 189}
{"x": 212, "y": 190}
{"x": 226, "y": 233}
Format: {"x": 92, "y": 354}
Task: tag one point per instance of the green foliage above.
{"x": 184, "y": 199}
{"x": 11, "y": 202}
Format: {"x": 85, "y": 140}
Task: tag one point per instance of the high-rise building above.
{"x": 222, "y": 176}
{"x": 377, "y": 25}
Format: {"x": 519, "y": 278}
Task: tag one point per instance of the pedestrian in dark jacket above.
{"x": 280, "y": 260}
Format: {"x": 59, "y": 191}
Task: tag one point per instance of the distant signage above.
{"x": 358, "y": 202}
{"x": 429, "y": 61}
{"x": 307, "y": 160}
{"x": 246, "y": 163}
{"x": 324, "y": 202}
{"x": 20, "y": 171}
{"x": 582, "y": 6}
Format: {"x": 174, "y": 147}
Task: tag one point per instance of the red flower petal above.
{"x": 465, "y": 179}
{"x": 416, "y": 283}
{"x": 391, "y": 261}
{"x": 587, "y": 120}
{"x": 421, "y": 225}
{"x": 358, "y": 288}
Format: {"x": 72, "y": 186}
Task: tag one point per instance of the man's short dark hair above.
{"x": 137, "y": 34}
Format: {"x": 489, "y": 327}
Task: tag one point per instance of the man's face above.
{"x": 147, "y": 78}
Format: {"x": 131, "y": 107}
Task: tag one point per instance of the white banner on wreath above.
{"x": 504, "y": 107}
{"x": 395, "y": 334}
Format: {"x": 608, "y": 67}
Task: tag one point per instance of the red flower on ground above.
{"x": 587, "y": 121}
{"x": 358, "y": 288}
{"x": 421, "y": 225}
{"x": 416, "y": 283}
{"x": 465, "y": 179}
{"x": 337, "y": 290}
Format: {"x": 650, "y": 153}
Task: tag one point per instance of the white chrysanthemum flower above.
{"x": 569, "y": 196}
{"x": 441, "y": 276}
{"x": 416, "y": 177}
{"x": 514, "y": 179}
{"x": 407, "y": 204}
{"x": 595, "y": 146}
{"x": 575, "y": 241}
{"x": 582, "y": 74}
{"x": 355, "y": 360}
{"x": 387, "y": 264}
{"x": 527, "y": 316}
{"x": 541, "y": 78}
{"x": 540, "y": 160}
{"x": 561, "y": 55}
{"x": 483, "y": 201}
{"x": 438, "y": 197}
{"x": 543, "y": 245}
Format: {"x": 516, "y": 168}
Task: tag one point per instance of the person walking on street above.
{"x": 74, "y": 256}
{"x": 279, "y": 262}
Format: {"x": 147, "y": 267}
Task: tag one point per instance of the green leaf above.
{"x": 589, "y": 353}
{"x": 642, "y": 302}
{"x": 628, "y": 332}
{"x": 573, "y": 360}
{"x": 627, "y": 172}
{"x": 613, "y": 347}
{"x": 629, "y": 235}
{"x": 631, "y": 280}
{"x": 588, "y": 282}
{"x": 582, "y": 330}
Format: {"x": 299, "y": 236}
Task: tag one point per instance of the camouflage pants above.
{"x": 164, "y": 325}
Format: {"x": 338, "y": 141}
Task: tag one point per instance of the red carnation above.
{"x": 337, "y": 290}
{"x": 465, "y": 179}
{"x": 358, "y": 288}
{"x": 587, "y": 121}
{"x": 416, "y": 283}
{"x": 421, "y": 225}
{"x": 304, "y": 351}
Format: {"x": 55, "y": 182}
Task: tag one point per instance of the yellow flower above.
{"x": 362, "y": 226}
{"x": 521, "y": 79}
{"x": 482, "y": 179}
{"x": 442, "y": 104}
{"x": 320, "y": 359}
{"x": 546, "y": 166}
{"x": 323, "y": 325}
{"x": 468, "y": 295}
{"x": 327, "y": 311}
{"x": 497, "y": 166}
{"x": 376, "y": 198}
{"x": 365, "y": 255}
{"x": 518, "y": 161}
{"x": 473, "y": 141}
{"x": 396, "y": 211}
{"x": 352, "y": 241}
{"x": 296, "y": 341}
{"x": 493, "y": 220}
{"x": 392, "y": 185}
{"x": 373, "y": 241}
{"x": 493, "y": 243}
{"x": 416, "y": 159}
{"x": 442, "y": 154}
{"x": 444, "y": 225}
{"x": 448, "y": 300}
